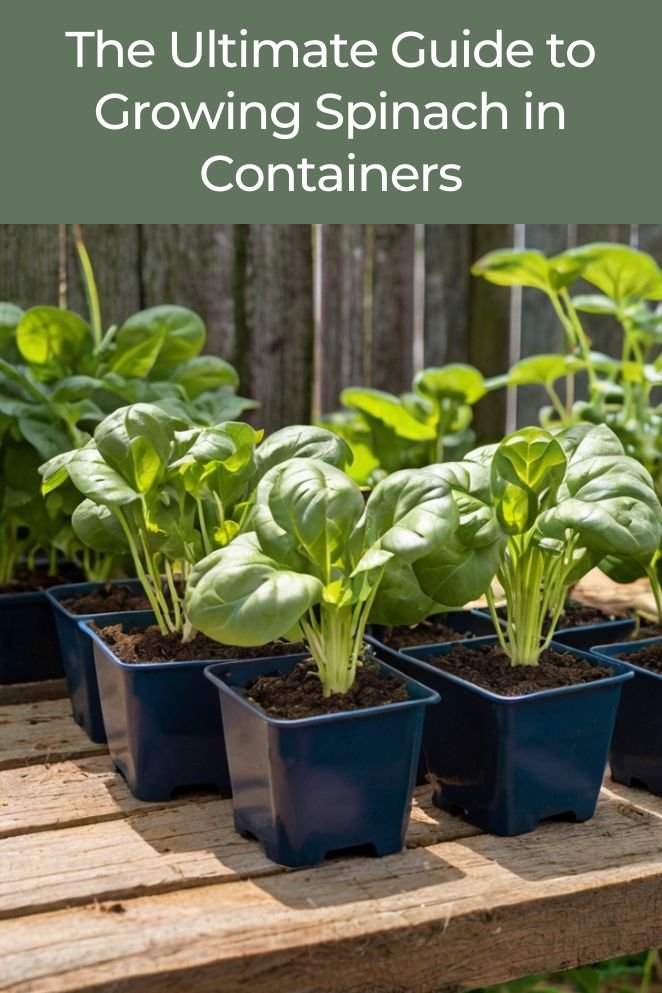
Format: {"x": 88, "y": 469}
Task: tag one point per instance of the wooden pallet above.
{"x": 99, "y": 891}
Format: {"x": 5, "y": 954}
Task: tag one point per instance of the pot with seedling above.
{"x": 168, "y": 496}
{"x": 525, "y": 726}
{"x": 635, "y": 756}
{"x": 323, "y": 747}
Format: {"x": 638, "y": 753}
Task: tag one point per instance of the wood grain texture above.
{"x": 46, "y": 689}
{"x": 447, "y": 917}
{"x": 392, "y": 337}
{"x": 275, "y": 320}
{"x": 114, "y": 251}
{"x": 448, "y": 288}
{"x": 489, "y": 325}
{"x": 29, "y": 264}
{"x": 193, "y": 265}
{"x": 341, "y": 347}
{"x": 41, "y": 732}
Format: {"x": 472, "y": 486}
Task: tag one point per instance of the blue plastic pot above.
{"x": 635, "y": 756}
{"x": 472, "y": 622}
{"x": 509, "y": 762}
{"x": 29, "y": 650}
{"x": 162, "y": 720}
{"x": 307, "y": 787}
{"x": 585, "y": 636}
{"x": 77, "y": 655}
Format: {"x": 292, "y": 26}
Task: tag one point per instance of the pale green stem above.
{"x": 91, "y": 292}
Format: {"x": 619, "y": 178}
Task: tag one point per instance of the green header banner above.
{"x": 296, "y": 110}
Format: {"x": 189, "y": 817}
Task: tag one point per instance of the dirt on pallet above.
{"x": 145, "y": 645}
{"x": 299, "y": 693}
{"x": 487, "y": 666}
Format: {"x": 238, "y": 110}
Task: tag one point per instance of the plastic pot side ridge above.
{"x": 77, "y": 654}
{"x": 509, "y": 762}
{"x": 307, "y": 787}
{"x": 635, "y": 756}
{"x": 162, "y": 721}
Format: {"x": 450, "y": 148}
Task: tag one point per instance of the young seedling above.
{"x": 566, "y": 501}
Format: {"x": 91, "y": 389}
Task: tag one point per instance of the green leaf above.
{"x": 458, "y": 382}
{"x": 621, "y": 273}
{"x": 203, "y": 373}
{"x": 514, "y": 267}
{"x": 10, "y": 317}
{"x": 389, "y": 410}
{"x": 543, "y": 369}
{"x": 179, "y": 331}
{"x": 48, "y": 336}
{"x": 301, "y": 441}
{"x": 136, "y": 442}
{"x": 98, "y": 527}
{"x": 95, "y": 479}
{"x": 526, "y": 467}
{"x": 595, "y": 304}
{"x": 238, "y": 595}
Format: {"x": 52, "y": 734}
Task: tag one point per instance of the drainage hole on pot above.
{"x": 191, "y": 792}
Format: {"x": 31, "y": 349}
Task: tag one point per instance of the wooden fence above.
{"x": 304, "y": 310}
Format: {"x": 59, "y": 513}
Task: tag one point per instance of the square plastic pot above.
{"x": 586, "y": 636}
{"x": 77, "y": 655}
{"x": 29, "y": 647}
{"x": 635, "y": 756}
{"x": 162, "y": 720}
{"x": 307, "y": 787}
{"x": 509, "y": 762}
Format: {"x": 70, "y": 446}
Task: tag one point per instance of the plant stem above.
{"x": 91, "y": 292}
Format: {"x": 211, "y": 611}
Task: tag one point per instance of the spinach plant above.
{"x": 565, "y": 502}
{"x": 623, "y": 388}
{"x": 427, "y": 425}
{"x": 314, "y": 563}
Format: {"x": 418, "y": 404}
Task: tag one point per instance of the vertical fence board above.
{"x": 604, "y": 332}
{"x": 448, "y": 286}
{"x": 650, "y": 240}
{"x": 29, "y": 264}
{"x": 275, "y": 321}
{"x": 341, "y": 345}
{"x": 392, "y": 342}
{"x": 114, "y": 251}
{"x": 194, "y": 265}
{"x": 541, "y": 330}
{"x": 489, "y": 328}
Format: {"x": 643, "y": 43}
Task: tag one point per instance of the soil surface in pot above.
{"x": 647, "y": 631}
{"x": 428, "y": 632}
{"x": 145, "y": 645}
{"x": 488, "y": 667}
{"x": 32, "y": 581}
{"x": 106, "y": 599}
{"x": 299, "y": 693}
{"x": 578, "y": 615}
{"x": 648, "y": 658}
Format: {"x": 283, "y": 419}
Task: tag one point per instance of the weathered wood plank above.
{"x": 444, "y": 918}
{"x": 193, "y": 265}
{"x": 114, "y": 251}
{"x": 29, "y": 264}
{"x": 275, "y": 320}
{"x": 392, "y": 340}
{"x": 448, "y": 285}
{"x": 341, "y": 348}
{"x": 41, "y": 732}
{"x": 649, "y": 239}
{"x": 490, "y": 328}
{"x": 541, "y": 330}
{"x": 46, "y": 689}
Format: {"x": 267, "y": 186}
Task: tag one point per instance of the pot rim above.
{"x": 621, "y": 674}
{"x": 611, "y": 653}
{"x": 57, "y": 593}
{"x": 426, "y": 696}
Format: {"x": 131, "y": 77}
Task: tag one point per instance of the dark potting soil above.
{"x": 144, "y": 645}
{"x": 299, "y": 693}
{"x": 429, "y": 632}
{"x": 106, "y": 599}
{"x": 32, "y": 581}
{"x": 488, "y": 667}
{"x": 576, "y": 615}
{"x": 647, "y": 631}
{"x": 648, "y": 658}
